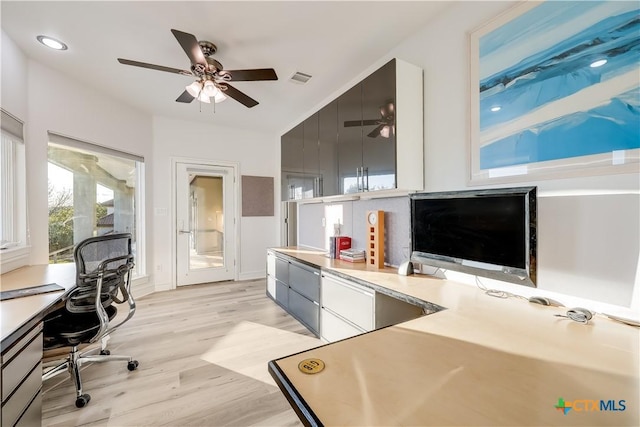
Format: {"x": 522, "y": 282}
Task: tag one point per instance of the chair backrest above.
{"x": 109, "y": 257}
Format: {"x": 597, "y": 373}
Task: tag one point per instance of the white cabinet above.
{"x": 271, "y": 274}
{"x": 348, "y": 309}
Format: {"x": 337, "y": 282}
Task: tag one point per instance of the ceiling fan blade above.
{"x": 250, "y": 75}
{"x": 376, "y": 132}
{"x": 154, "y": 67}
{"x": 354, "y": 123}
{"x": 191, "y": 47}
{"x": 234, "y": 93}
{"x": 185, "y": 97}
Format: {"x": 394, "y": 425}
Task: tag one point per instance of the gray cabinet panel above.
{"x": 328, "y": 148}
{"x": 291, "y": 161}
{"x": 379, "y": 140}
{"x": 311, "y": 158}
{"x": 304, "y": 310}
{"x": 282, "y": 270}
{"x": 350, "y": 140}
{"x": 282, "y": 293}
{"x": 305, "y": 280}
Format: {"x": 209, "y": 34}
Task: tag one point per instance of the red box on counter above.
{"x": 338, "y": 243}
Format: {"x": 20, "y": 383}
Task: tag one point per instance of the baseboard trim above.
{"x": 252, "y": 275}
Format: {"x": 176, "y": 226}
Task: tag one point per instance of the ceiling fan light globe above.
{"x": 204, "y": 98}
{"x": 384, "y": 132}
{"x": 210, "y": 89}
{"x": 219, "y": 97}
{"x": 194, "y": 89}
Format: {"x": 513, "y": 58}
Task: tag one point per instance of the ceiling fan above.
{"x": 385, "y": 124}
{"x": 212, "y": 80}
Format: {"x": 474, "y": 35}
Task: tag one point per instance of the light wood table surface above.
{"x": 19, "y": 314}
{"x": 481, "y": 361}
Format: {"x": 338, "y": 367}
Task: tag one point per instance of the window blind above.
{"x": 56, "y": 138}
{"x": 12, "y": 125}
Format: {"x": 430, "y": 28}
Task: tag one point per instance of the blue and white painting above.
{"x": 560, "y": 81}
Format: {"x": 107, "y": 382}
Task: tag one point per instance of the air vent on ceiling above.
{"x": 300, "y": 78}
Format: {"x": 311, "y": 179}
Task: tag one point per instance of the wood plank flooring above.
{"x": 203, "y": 353}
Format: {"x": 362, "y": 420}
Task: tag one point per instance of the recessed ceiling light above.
{"x": 52, "y": 43}
{"x": 496, "y": 108}
{"x": 598, "y": 63}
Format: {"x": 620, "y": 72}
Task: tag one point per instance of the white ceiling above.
{"x": 331, "y": 40}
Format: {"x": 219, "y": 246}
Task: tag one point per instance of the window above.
{"x": 13, "y": 224}
{"x": 93, "y": 190}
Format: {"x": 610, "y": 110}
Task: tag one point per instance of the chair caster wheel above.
{"x": 82, "y": 401}
{"x": 133, "y": 365}
{"x": 105, "y": 352}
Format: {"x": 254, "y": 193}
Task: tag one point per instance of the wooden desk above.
{"x": 481, "y": 361}
{"x": 17, "y": 314}
{"x": 21, "y": 330}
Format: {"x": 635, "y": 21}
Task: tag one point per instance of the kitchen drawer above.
{"x": 271, "y": 286}
{"x": 32, "y": 417}
{"x": 282, "y": 293}
{"x": 349, "y": 300}
{"x": 308, "y": 312}
{"x": 271, "y": 264}
{"x": 19, "y": 360}
{"x": 282, "y": 270}
{"x": 335, "y": 328}
{"x": 19, "y": 401}
{"x": 305, "y": 280}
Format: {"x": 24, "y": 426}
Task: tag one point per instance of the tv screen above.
{"x": 485, "y": 232}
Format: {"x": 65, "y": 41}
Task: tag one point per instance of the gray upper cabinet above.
{"x": 328, "y": 148}
{"x": 369, "y": 139}
{"x": 378, "y": 131}
{"x": 310, "y": 162}
{"x": 291, "y": 163}
{"x": 350, "y": 140}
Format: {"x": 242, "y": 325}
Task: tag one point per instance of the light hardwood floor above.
{"x": 203, "y": 353}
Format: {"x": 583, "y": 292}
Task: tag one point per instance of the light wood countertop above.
{"x": 480, "y": 361}
{"x": 19, "y": 313}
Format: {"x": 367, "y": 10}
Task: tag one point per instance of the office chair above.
{"x": 103, "y": 267}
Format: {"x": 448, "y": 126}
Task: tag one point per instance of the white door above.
{"x": 205, "y": 241}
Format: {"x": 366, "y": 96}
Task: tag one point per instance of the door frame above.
{"x": 235, "y": 166}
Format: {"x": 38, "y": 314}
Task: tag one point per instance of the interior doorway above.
{"x": 205, "y": 223}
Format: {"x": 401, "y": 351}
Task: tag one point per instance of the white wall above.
{"x": 209, "y": 142}
{"x": 14, "y": 78}
{"x": 588, "y": 232}
{"x": 49, "y": 101}
{"x": 588, "y": 248}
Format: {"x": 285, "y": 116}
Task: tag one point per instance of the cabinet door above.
{"x": 328, "y": 147}
{"x": 379, "y": 119}
{"x": 350, "y": 140}
{"x": 305, "y": 280}
{"x": 349, "y": 300}
{"x": 291, "y": 161}
{"x": 304, "y": 310}
{"x": 310, "y": 160}
{"x": 282, "y": 294}
{"x": 335, "y": 328}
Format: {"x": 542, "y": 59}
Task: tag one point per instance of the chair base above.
{"x": 75, "y": 360}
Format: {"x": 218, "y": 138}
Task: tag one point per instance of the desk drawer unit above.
{"x": 305, "y": 310}
{"x": 349, "y": 300}
{"x": 305, "y": 280}
{"x": 22, "y": 378}
{"x": 282, "y": 293}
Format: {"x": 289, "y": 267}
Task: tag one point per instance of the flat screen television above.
{"x": 490, "y": 233}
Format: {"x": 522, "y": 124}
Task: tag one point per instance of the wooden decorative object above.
{"x": 375, "y": 239}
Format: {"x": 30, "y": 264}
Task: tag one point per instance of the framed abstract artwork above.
{"x": 555, "y": 91}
